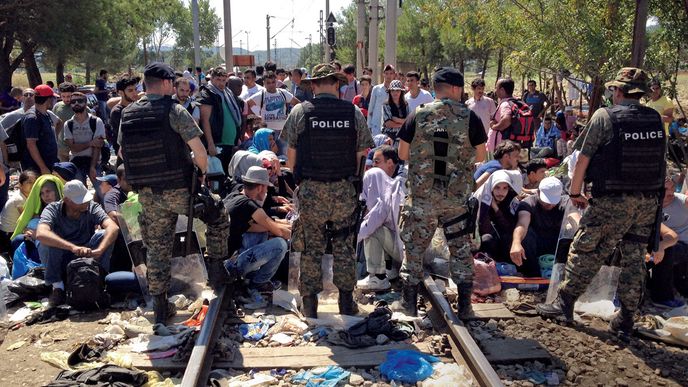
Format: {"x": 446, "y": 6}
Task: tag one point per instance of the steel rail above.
{"x": 198, "y": 367}
{"x": 480, "y": 368}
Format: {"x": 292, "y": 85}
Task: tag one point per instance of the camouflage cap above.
{"x": 630, "y": 80}
{"x": 323, "y": 71}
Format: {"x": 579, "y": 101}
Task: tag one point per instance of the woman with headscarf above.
{"x": 46, "y": 189}
{"x": 379, "y": 230}
{"x": 497, "y": 218}
{"x": 264, "y": 140}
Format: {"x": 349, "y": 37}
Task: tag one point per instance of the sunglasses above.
{"x": 76, "y": 101}
{"x": 29, "y": 94}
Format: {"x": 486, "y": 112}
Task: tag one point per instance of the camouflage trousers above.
{"x": 602, "y": 228}
{"x": 158, "y": 220}
{"x": 419, "y": 220}
{"x": 321, "y": 202}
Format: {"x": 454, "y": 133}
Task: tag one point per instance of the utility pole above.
{"x": 241, "y": 46}
{"x": 196, "y": 33}
{"x": 247, "y": 47}
{"x": 322, "y": 41}
{"x": 275, "y": 50}
{"x": 229, "y": 55}
{"x": 360, "y": 37}
{"x": 391, "y": 33}
{"x": 373, "y": 39}
{"x": 267, "y": 26}
{"x": 638, "y": 45}
{"x": 328, "y": 50}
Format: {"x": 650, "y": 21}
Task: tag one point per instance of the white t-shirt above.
{"x": 10, "y": 214}
{"x": 272, "y": 107}
{"x": 422, "y": 98}
{"x": 81, "y": 133}
{"x": 247, "y": 93}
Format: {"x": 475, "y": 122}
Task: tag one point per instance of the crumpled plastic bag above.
{"x": 407, "y": 366}
{"x": 449, "y": 374}
{"x": 485, "y": 281}
{"x": 254, "y": 331}
{"x": 321, "y": 377}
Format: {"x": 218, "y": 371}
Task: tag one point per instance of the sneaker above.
{"x": 57, "y": 298}
{"x": 392, "y": 274}
{"x": 669, "y": 304}
{"x": 371, "y": 282}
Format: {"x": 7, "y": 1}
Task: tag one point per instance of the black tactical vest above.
{"x": 155, "y": 156}
{"x": 634, "y": 159}
{"x": 327, "y": 146}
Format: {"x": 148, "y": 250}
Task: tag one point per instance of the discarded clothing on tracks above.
{"x": 107, "y": 375}
{"x": 364, "y": 333}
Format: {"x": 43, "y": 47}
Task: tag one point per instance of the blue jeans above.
{"x": 260, "y": 257}
{"x": 56, "y": 260}
{"x": 82, "y": 173}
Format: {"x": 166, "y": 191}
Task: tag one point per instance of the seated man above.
{"x": 671, "y": 273}
{"x": 67, "y": 230}
{"x": 537, "y": 230}
{"x": 260, "y": 241}
{"x": 379, "y": 231}
{"x": 546, "y": 139}
{"x": 535, "y": 172}
{"x": 506, "y": 156}
{"x": 112, "y": 201}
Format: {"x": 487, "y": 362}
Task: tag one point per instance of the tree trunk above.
{"x": 59, "y": 71}
{"x": 500, "y": 63}
{"x": 88, "y": 73}
{"x": 597, "y": 93}
{"x": 461, "y": 63}
{"x": 145, "y": 53}
{"x": 33, "y": 73}
{"x": 484, "y": 70}
{"x": 8, "y": 64}
{"x": 638, "y": 45}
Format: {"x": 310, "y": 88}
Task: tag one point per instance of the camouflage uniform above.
{"x": 603, "y": 226}
{"x": 160, "y": 209}
{"x": 432, "y": 202}
{"x": 320, "y": 202}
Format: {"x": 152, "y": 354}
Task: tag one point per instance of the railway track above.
{"x": 463, "y": 349}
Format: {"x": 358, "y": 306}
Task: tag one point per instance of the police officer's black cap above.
{"x": 448, "y": 75}
{"x": 159, "y": 70}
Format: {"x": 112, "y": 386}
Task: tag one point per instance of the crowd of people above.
{"x": 321, "y": 162}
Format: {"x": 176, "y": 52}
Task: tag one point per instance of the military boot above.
{"x": 160, "y": 308}
{"x": 217, "y": 273}
{"x": 409, "y": 299}
{"x": 310, "y": 306}
{"x": 346, "y": 302}
{"x": 561, "y": 309}
{"x": 622, "y": 324}
{"x": 464, "y": 301}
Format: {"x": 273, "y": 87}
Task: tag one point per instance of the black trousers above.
{"x": 670, "y": 274}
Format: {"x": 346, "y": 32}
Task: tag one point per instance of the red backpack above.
{"x": 522, "y": 129}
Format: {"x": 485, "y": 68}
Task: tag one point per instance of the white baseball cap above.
{"x": 550, "y": 190}
{"x": 77, "y": 192}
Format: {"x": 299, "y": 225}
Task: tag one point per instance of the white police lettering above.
{"x": 644, "y": 135}
{"x": 331, "y": 124}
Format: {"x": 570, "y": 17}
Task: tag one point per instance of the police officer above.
{"x": 441, "y": 141}
{"x": 327, "y": 138}
{"x": 156, "y": 138}
{"x": 623, "y": 156}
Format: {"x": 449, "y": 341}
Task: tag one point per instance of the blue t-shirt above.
{"x": 102, "y": 94}
{"x": 39, "y": 127}
{"x": 78, "y": 231}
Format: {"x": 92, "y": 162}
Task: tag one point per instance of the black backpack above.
{"x": 16, "y": 143}
{"x": 85, "y": 286}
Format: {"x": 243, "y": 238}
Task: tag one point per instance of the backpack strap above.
{"x": 262, "y": 99}
{"x": 92, "y": 123}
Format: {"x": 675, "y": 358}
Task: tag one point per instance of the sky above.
{"x": 249, "y": 15}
